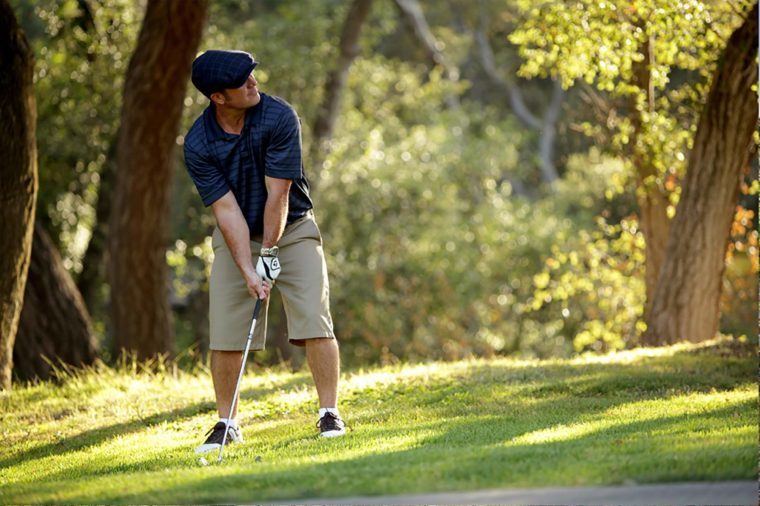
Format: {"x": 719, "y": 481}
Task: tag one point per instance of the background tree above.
{"x": 649, "y": 65}
{"x": 653, "y": 111}
{"x": 686, "y": 303}
{"x": 82, "y": 49}
{"x": 441, "y": 235}
{"x": 18, "y": 179}
{"x": 414, "y": 18}
{"x": 348, "y": 50}
{"x": 55, "y": 327}
{"x": 545, "y": 124}
{"x": 153, "y": 96}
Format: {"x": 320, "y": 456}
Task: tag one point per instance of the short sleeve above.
{"x": 208, "y": 179}
{"x": 283, "y": 154}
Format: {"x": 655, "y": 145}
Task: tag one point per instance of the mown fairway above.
{"x": 648, "y": 415}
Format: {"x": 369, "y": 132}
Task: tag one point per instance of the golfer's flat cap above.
{"x": 217, "y": 70}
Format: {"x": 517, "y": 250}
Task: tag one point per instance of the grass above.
{"x": 681, "y": 413}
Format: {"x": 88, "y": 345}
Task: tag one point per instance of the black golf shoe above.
{"x": 331, "y": 425}
{"x": 215, "y": 436}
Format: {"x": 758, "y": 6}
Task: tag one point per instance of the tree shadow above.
{"x": 428, "y": 467}
{"x": 516, "y": 399}
{"x": 100, "y": 435}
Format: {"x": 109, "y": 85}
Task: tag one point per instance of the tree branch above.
{"x": 336, "y": 80}
{"x": 416, "y": 18}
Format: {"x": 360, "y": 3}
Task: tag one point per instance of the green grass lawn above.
{"x": 680, "y": 413}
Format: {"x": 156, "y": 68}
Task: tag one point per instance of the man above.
{"x": 244, "y": 156}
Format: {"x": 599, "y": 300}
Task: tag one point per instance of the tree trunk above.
{"x": 18, "y": 179}
{"x": 652, "y": 198}
{"x": 95, "y": 260}
{"x": 55, "y": 324}
{"x": 655, "y": 226}
{"x": 154, "y": 90}
{"x": 336, "y": 80}
{"x": 685, "y": 305}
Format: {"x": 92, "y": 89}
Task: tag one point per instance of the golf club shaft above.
{"x": 240, "y": 376}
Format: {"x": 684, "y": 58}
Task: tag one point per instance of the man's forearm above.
{"x": 237, "y": 236}
{"x": 275, "y": 215}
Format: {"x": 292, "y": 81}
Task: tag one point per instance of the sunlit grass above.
{"x": 685, "y": 412}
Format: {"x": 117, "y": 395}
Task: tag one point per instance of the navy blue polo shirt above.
{"x": 268, "y": 145}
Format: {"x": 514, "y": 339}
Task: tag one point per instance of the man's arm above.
{"x": 276, "y": 210}
{"x": 236, "y": 234}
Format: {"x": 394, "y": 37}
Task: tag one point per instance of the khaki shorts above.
{"x": 302, "y": 283}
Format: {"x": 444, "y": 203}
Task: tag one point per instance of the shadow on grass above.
{"x": 476, "y": 412}
{"x": 97, "y": 436}
{"x": 465, "y": 455}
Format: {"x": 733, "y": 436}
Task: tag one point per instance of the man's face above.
{"x": 244, "y": 97}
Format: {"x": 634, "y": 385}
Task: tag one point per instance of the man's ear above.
{"x": 218, "y": 98}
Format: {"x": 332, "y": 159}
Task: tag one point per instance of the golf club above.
{"x": 240, "y": 376}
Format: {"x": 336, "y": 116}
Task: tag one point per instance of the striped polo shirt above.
{"x": 268, "y": 145}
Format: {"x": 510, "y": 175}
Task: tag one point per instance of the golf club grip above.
{"x": 257, "y": 309}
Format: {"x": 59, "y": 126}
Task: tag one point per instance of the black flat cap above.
{"x": 217, "y": 70}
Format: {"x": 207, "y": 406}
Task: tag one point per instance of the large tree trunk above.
{"x": 55, "y": 326}
{"x": 18, "y": 179}
{"x": 154, "y": 90}
{"x": 685, "y": 305}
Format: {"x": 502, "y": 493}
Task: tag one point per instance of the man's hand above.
{"x": 268, "y": 268}
{"x": 235, "y": 231}
{"x": 258, "y": 288}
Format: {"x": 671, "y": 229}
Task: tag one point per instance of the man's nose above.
{"x": 252, "y": 80}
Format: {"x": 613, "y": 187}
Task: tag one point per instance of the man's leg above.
{"x": 225, "y": 367}
{"x": 324, "y": 362}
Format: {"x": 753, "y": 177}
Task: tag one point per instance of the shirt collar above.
{"x": 215, "y": 133}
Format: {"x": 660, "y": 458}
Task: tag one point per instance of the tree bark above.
{"x": 18, "y": 179}
{"x": 55, "y": 325}
{"x": 686, "y": 302}
{"x": 336, "y": 80}
{"x": 154, "y": 90}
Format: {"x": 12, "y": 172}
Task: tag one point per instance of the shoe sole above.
{"x": 210, "y": 447}
{"x": 333, "y": 433}
{"x": 205, "y": 448}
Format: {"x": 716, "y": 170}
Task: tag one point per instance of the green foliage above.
{"x": 740, "y": 285}
{"x": 590, "y": 288}
{"x": 682, "y": 413}
{"x": 601, "y": 43}
{"x": 595, "y": 282}
{"x": 433, "y": 250}
{"x": 405, "y": 198}
{"x": 81, "y": 59}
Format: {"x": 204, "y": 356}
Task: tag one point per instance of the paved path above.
{"x": 713, "y": 493}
